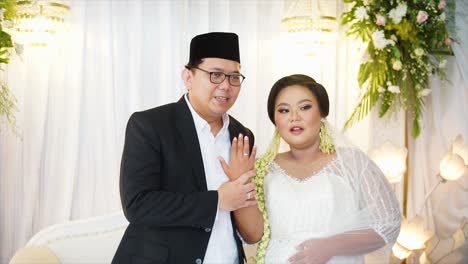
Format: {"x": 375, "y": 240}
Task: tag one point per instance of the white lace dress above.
{"x": 349, "y": 193}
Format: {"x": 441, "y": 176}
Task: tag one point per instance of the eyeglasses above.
{"x": 219, "y": 77}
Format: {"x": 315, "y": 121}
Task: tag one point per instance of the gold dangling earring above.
{"x": 326, "y": 141}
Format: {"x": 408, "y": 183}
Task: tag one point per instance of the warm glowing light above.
{"x": 324, "y": 24}
{"x": 400, "y": 252}
{"x": 37, "y": 21}
{"x": 309, "y": 35}
{"x": 452, "y": 167}
{"x": 455, "y": 162}
{"x": 413, "y": 235}
{"x": 391, "y": 160}
{"x": 310, "y": 24}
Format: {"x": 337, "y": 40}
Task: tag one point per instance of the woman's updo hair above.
{"x": 303, "y": 80}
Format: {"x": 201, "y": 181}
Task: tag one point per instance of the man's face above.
{"x": 211, "y": 100}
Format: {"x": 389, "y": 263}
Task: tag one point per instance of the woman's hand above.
{"x": 316, "y": 251}
{"x": 242, "y": 160}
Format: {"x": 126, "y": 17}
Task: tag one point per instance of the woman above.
{"x": 319, "y": 202}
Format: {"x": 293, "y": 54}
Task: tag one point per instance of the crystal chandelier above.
{"x": 310, "y": 21}
{"x": 325, "y": 24}
{"x": 38, "y": 20}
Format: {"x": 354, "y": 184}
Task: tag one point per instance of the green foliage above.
{"x": 7, "y": 105}
{"x": 7, "y": 100}
{"x": 404, "y": 43}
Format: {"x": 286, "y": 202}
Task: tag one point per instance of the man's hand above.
{"x": 238, "y": 193}
{"x": 242, "y": 159}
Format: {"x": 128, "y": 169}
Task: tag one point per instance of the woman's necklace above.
{"x": 301, "y": 170}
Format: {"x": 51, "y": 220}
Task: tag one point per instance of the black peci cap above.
{"x": 215, "y": 45}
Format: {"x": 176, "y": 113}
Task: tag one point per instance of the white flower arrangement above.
{"x": 405, "y": 43}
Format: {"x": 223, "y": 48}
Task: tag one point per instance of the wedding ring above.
{"x": 246, "y": 154}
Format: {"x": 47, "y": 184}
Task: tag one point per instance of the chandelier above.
{"x": 38, "y": 20}
{"x": 323, "y": 24}
{"x": 310, "y": 21}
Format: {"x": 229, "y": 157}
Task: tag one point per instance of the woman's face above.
{"x": 297, "y": 116}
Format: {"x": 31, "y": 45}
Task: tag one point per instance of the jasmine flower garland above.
{"x": 261, "y": 166}
{"x": 405, "y": 43}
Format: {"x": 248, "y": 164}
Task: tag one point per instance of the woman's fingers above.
{"x": 246, "y": 147}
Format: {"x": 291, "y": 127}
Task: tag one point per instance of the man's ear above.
{"x": 187, "y": 78}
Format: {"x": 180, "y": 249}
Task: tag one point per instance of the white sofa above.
{"x": 95, "y": 240}
{"x": 92, "y": 240}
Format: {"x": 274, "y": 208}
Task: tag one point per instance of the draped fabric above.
{"x": 116, "y": 57}
{"x": 75, "y": 96}
{"x": 445, "y": 116}
{"x": 348, "y": 195}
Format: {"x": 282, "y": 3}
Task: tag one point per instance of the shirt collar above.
{"x": 201, "y": 124}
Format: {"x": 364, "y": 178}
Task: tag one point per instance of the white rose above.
{"x": 397, "y": 65}
{"x": 361, "y": 13}
{"x": 419, "y": 52}
{"x": 379, "y": 40}
{"x": 394, "y": 89}
{"x": 380, "y": 89}
{"x": 401, "y": 9}
{"x": 398, "y": 13}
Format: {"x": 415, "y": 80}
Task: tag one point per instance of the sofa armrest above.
{"x": 91, "y": 240}
{"x": 34, "y": 255}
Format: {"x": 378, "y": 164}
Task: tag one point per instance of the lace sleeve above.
{"x": 377, "y": 198}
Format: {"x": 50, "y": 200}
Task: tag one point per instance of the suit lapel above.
{"x": 233, "y": 129}
{"x": 188, "y": 132}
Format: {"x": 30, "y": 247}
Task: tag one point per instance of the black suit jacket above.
{"x": 163, "y": 188}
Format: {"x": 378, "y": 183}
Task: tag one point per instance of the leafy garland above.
{"x": 7, "y": 100}
{"x": 406, "y": 41}
{"x": 261, "y": 166}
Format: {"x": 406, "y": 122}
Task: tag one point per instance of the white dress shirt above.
{"x": 222, "y": 244}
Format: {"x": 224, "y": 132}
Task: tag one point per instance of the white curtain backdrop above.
{"x": 445, "y": 116}
{"x": 116, "y": 57}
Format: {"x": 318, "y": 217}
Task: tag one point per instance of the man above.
{"x": 174, "y": 191}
